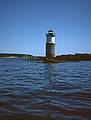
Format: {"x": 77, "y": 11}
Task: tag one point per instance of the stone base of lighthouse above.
{"x": 50, "y": 50}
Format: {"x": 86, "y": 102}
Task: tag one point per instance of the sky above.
{"x": 24, "y": 24}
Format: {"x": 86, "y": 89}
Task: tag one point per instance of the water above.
{"x": 33, "y": 90}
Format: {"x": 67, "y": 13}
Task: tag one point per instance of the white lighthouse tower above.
{"x": 50, "y": 44}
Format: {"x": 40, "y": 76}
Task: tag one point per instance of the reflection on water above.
{"x": 31, "y": 90}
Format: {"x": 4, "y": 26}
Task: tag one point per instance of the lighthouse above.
{"x": 50, "y": 44}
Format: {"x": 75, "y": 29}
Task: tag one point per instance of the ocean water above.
{"x": 33, "y": 90}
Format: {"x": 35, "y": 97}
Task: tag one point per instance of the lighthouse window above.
{"x": 50, "y": 34}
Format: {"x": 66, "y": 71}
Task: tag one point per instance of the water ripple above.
{"x": 45, "y": 91}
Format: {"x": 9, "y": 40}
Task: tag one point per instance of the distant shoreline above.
{"x": 57, "y": 59}
{"x": 15, "y": 55}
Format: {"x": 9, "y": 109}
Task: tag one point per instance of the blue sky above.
{"x": 24, "y": 23}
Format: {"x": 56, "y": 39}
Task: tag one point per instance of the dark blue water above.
{"x": 59, "y": 91}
